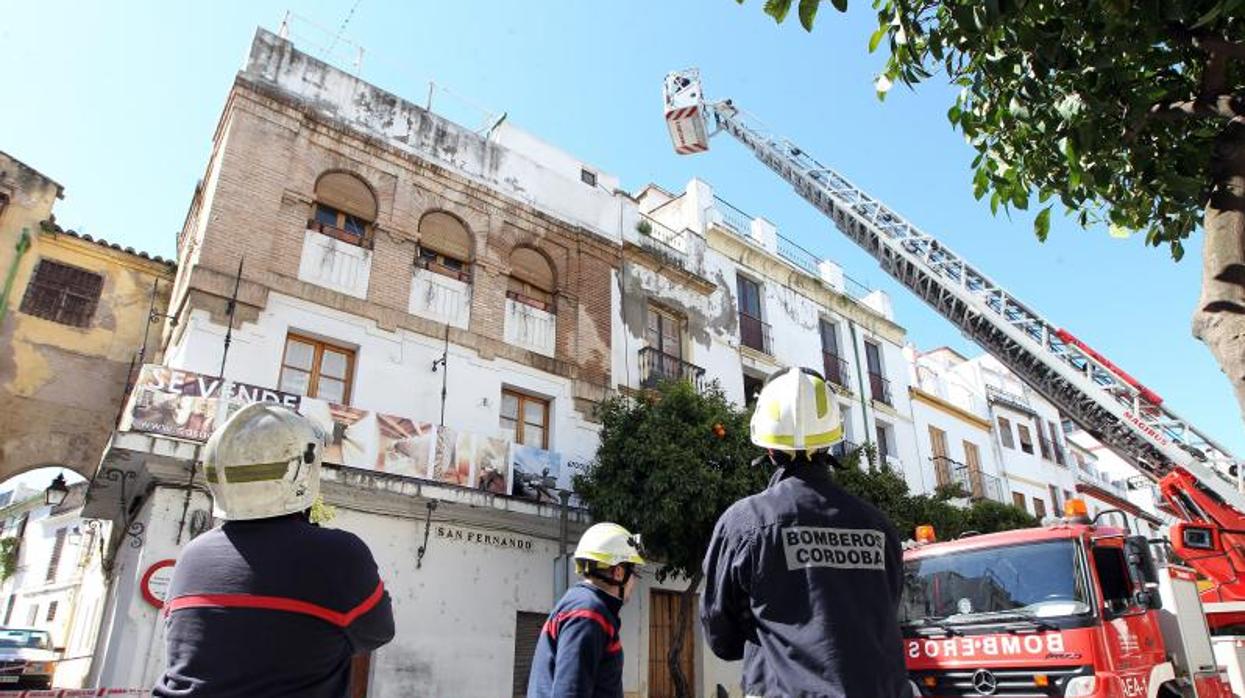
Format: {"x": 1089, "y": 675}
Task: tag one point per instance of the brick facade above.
{"x": 271, "y": 149}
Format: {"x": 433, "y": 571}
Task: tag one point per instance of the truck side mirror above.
{"x": 1141, "y": 569}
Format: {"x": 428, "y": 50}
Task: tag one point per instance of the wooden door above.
{"x": 972, "y": 458}
{"x": 663, "y": 618}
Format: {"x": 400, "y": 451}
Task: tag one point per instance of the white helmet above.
{"x": 263, "y": 461}
{"x": 607, "y": 545}
{"x": 796, "y": 412}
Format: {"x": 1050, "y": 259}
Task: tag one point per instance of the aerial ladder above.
{"x": 1198, "y": 477}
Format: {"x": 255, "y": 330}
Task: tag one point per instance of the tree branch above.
{"x": 1224, "y": 106}
{"x": 1208, "y": 42}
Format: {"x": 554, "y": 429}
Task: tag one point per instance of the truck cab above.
{"x": 1070, "y": 609}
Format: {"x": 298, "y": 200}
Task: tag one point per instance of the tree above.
{"x": 669, "y": 463}
{"x": 1130, "y": 113}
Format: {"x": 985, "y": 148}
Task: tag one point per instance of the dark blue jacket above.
{"x": 579, "y": 653}
{"x": 802, "y": 582}
{"x": 272, "y": 607}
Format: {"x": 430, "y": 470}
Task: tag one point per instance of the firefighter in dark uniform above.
{"x": 802, "y": 580}
{"x": 269, "y": 604}
{"x": 579, "y": 653}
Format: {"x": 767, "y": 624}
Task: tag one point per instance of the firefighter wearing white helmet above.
{"x": 802, "y": 580}
{"x": 269, "y": 604}
{"x": 579, "y": 652}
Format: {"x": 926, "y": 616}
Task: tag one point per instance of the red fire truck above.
{"x": 1073, "y": 609}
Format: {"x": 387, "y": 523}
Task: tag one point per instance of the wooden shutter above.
{"x": 527, "y": 628}
{"x": 55, "y": 561}
{"x": 444, "y": 234}
{"x": 346, "y": 192}
{"x": 528, "y": 266}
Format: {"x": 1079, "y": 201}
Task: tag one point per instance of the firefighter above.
{"x": 269, "y": 604}
{"x": 579, "y": 653}
{"x": 802, "y": 580}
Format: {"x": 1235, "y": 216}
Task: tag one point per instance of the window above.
{"x": 345, "y": 208}
{"x": 753, "y": 332}
{"x": 885, "y": 447}
{"x": 1113, "y": 577}
{"x": 1054, "y": 498}
{"x": 527, "y": 416}
{"x": 665, "y": 332}
{"x": 316, "y": 369}
{"x": 1067, "y": 495}
{"x": 445, "y": 246}
{"x": 1005, "y": 433}
{"x": 32, "y": 615}
{"x": 1043, "y": 443}
{"x": 1026, "y": 441}
{"x": 55, "y": 561}
{"x": 752, "y": 388}
{"x": 1039, "y": 508}
{"x": 531, "y": 279}
{"x": 52, "y": 611}
{"x": 879, "y": 387}
{"x": 1019, "y": 500}
{"x": 61, "y": 293}
{"x": 835, "y": 366}
{"x": 588, "y": 177}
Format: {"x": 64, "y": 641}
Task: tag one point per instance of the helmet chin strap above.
{"x": 609, "y": 579}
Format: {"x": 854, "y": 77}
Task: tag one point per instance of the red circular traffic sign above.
{"x": 155, "y": 583}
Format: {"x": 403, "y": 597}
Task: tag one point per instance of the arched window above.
{"x": 345, "y": 207}
{"x": 531, "y": 279}
{"x": 445, "y": 246}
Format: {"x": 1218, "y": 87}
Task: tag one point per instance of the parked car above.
{"x": 27, "y": 658}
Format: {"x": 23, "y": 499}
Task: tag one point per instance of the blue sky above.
{"x": 118, "y": 101}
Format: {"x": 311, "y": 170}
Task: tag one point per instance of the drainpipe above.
{"x": 860, "y": 381}
{"x": 561, "y": 568}
{"x": 23, "y": 244}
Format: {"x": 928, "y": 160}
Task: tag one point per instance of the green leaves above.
{"x": 1041, "y": 224}
{"x": 1058, "y": 94}
{"x": 777, "y": 9}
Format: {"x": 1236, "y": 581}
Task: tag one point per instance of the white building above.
{"x": 1099, "y": 470}
{"x": 56, "y": 584}
{"x": 739, "y": 301}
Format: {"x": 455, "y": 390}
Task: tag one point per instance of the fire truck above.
{"x": 1071, "y": 609}
{"x": 1199, "y": 480}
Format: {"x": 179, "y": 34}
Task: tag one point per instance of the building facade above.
{"x": 73, "y": 320}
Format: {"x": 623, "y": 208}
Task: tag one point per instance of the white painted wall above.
{"x": 393, "y": 370}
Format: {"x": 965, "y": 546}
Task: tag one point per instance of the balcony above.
{"x": 732, "y": 218}
{"x": 974, "y": 483}
{"x": 333, "y": 263}
{"x": 835, "y": 370}
{"x": 528, "y": 326}
{"x": 880, "y": 388}
{"x": 754, "y": 333}
{"x": 1019, "y": 403}
{"x": 666, "y": 243}
{"x": 441, "y": 297}
{"x": 657, "y": 367}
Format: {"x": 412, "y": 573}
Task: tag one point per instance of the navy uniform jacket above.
{"x": 802, "y": 582}
{"x": 579, "y": 653}
{"x": 272, "y": 607}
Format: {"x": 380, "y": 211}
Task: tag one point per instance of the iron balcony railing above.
{"x": 666, "y": 243}
{"x": 836, "y": 370}
{"x": 733, "y": 218}
{"x": 754, "y": 333}
{"x": 657, "y": 367}
{"x": 879, "y": 388}
{"x": 975, "y": 483}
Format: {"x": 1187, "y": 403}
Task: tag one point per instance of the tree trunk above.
{"x": 1220, "y": 317}
{"x": 682, "y": 688}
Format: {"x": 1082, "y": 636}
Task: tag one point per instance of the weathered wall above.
{"x": 61, "y": 386}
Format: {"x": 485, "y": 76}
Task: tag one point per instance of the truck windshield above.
{"x": 1036, "y": 580}
{"x": 31, "y": 639}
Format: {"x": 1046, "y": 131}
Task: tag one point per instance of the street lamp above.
{"x": 57, "y": 491}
